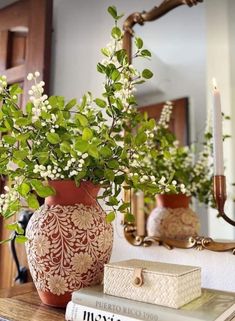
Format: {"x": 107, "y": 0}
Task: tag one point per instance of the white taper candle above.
{"x": 217, "y": 132}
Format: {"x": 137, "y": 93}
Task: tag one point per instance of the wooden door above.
{"x": 179, "y": 124}
{"x": 25, "y": 43}
{"x": 180, "y": 127}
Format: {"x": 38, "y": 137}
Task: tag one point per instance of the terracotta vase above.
{"x": 69, "y": 242}
{"x": 173, "y": 218}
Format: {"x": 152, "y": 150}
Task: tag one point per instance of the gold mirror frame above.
{"x": 130, "y": 229}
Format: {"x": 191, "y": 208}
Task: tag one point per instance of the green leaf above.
{"x": 81, "y": 145}
{"x": 23, "y": 137}
{"x": 147, "y": 74}
{"x": 11, "y": 227}
{"x": 129, "y": 218}
{"x": 113, "y": 201}
{"x": 101, "y": 68}
{"x": 82, "y": 120}
{"x": 53, "y": 138}
{"x": 146, "y": 53}
{"x": 8, "y": 123}
{"x": 9, "y": 139}
{"x": 140, "y": 138}
{"x": 32, "y": 201}
{"x": 21, "y": 239}
{"x": 115, "y": 76}
{"x": 42, "y": 157}
{"x": 116, "y": 33}
{"x": 110, "y": 217}
{"x": 22, "y": 121}
{"x": 53, "y": 101}
{"x": 41, "y": 189}
{"x": 139, "y": 43}
{"x": 167, "y": 154}
{"x": 15, "y": 227}
{"x": 3, "y": 129}
{"x": 121, "y": 56}
{"x": 105, "y": 51}
{"x": 106, "y": 152}
{"x": 123, "y": 207}
{"x": 119, "y": 179}
{"x": 29, "y": 107}
{"x": 114, "y": 164}
{"x": 87, "y": 134}
{"x": 20, "y": 154}
{"x": 109, "y": 174}
{"x": 79, "y": 176}
{"x": 93, "y": 151}
{"x": 15, "y": 89}
{"x": 113, "y": 11}
{"x": 151, "y": 123}
{"x": 24, "y": 189}
{"x": 70, "y": 104}
{"x": 100, "y": 102}
{"x": 65, "y": 147}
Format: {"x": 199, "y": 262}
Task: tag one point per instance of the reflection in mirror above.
{"x": 189, "y": 48}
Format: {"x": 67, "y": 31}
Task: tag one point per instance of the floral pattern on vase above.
{"x": 67, "y": 248}
{"x": 173, "y": 218}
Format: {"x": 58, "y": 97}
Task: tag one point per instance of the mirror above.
{"x": 189, "y": 47}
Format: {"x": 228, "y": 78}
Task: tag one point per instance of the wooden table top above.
{"x": 22, "y": 303}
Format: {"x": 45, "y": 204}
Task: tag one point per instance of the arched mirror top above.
{"x": 147, "y": 16}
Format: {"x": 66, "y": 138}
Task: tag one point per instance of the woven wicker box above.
{"x": 165, "y": 284}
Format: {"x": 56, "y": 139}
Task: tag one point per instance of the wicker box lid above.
{"x": 171, "y": 285}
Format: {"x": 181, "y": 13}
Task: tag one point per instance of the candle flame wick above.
{"x": 214, "y": 83}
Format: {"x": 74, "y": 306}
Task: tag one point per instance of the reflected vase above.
{"x": 173, "y": 218}
{"x": 69, "y": 241}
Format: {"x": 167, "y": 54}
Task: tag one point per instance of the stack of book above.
{"x": 91, "y": 304}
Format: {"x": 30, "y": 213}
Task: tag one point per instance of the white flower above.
{"x": 30, "y": 76}
{"x": 162, "y": 180}
{"x": 37, "y": 74}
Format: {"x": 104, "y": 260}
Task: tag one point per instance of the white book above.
{"x": 213, "y": 305}
{"x": 77, "y": 312}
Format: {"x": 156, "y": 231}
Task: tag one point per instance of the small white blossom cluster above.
{"x": 165, "y": 115}
{"x": 3, "y": 83}
{"x": 112, "y": 47}
{"x": 74, "y": 166}
{"x": 165, "y": 186}
{"x": 128, "y": 87}
{"x": 7, "y": 198}
{"x": 38, "y": 99}
{"x": 202, "y": 168}
{"x": 49, "y": 172}
{"x": 127, "y": 75}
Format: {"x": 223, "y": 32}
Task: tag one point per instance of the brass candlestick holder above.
{"x": 220, "y": 196}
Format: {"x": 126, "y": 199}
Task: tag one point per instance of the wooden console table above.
{"x": 21, "y": 303}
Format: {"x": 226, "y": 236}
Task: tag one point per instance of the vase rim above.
{"x": 173, "y": 200}
{"x": 68, "y": 193}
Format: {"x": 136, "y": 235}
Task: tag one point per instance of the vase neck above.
{"x": 67, "y": 193}
{"x": 173, "y": 200}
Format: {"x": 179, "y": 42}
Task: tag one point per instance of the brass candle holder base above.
{"x": 197, "y": 242}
